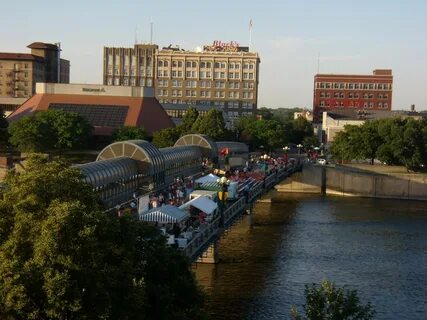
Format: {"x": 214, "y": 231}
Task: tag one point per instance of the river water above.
{"x": 378, "y": 247}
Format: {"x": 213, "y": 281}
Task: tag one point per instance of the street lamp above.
{"x": 286, "y": 150}
{"x": 299, "y": 146}
{"x": 223, "y": 182}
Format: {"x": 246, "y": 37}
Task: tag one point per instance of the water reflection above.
{"x": 376, "y": 246}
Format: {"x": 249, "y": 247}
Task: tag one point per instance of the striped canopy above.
{"x": 165, "y": 214}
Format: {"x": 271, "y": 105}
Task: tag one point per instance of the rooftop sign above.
{"x": 219, "y": 46}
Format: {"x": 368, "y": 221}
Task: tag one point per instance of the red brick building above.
{"x": 337, "y": 91}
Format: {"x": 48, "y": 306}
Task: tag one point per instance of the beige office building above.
{"x": 19, "y": 73}
{"x": 224, "y": 76}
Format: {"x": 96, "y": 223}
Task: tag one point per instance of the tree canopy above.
{"x": 166, "y": 137}
{"x": 392, "y": 141}
{"x": 211, "y": 124}
{"x": 326, "y": 301}
{"x": 49, "y": 131}
{"x": 129, "y": 133}
{"x": 62, "y": 257}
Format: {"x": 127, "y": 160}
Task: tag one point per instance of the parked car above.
{"x": 321, "y": 161}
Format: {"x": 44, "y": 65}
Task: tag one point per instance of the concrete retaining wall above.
{"x": 347, "y": 181}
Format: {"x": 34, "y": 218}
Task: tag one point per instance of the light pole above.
{"x": 286, "y": 150}
{"x": 223, "y": 182}
{"x": 299, "y": 146}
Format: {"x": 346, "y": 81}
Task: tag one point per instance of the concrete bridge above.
{"x": 349, "y": 181}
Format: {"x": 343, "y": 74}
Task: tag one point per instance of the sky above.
{"x": 294, "y": 39}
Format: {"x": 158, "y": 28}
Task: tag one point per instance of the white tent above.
{"x": 164, "y": 214}
{"x": 202, "y": 203}
{"x": 209, "y": 178}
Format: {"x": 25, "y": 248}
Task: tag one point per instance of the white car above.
{"x": 321, "y": 161}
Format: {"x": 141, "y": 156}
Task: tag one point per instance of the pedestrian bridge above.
{"x": 136, "y": 166}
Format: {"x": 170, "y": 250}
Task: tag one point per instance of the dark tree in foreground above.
{"x": 63, "y": 257}
{"x": 328, "y": 302}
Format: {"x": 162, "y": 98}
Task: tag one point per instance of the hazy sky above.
{"x": 351, "y": 37}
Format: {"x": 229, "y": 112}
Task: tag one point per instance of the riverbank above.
{"x": 364, "y": 181}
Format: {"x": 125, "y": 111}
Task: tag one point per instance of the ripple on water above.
{"x": 378, "y": 247}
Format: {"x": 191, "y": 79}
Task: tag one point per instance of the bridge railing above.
{"x": 201, "y": 238}
{"x": 230, "y": 213}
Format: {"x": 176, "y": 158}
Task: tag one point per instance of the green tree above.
{"x": 4, "y": 137}
{"x": 369, "y": 140}
{"x": 166, "y": 137}
{"x": 188, "y": 120}
{"x": 326, "y": 301}
{"x": 310, "y": 141}
{"x": 62, "y": 257}
{"x": 212, "y": 124}
{"x": 300, "y": 128}
{"x": 414, "y": 151}
{"x": 265, "y": 113}
{"x": 49, "y": 131}
{"x": 129, "y": 133}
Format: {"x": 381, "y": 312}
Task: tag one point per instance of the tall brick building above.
{"x": 338, "y": 91}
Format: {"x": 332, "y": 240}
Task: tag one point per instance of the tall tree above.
{"x": 188, "y": 120}
{"x": 166, "y": 137}
{"x": 62, "y": 257}
{"x": 49, "y": 131}
{"x": 211, "y": 124}
{"x": 129, "y": 133}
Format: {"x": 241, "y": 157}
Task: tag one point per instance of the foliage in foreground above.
{"x": 328, "y": 302}
{"x": 393, "y": 141}
{"x": 62, "y": 257}
{"x": 50, "y": 130}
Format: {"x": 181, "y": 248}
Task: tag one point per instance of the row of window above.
{"x": 204, "y": 84}
{"x": 204, "y": 65}
{"x": 142, "y": 72}
{"x": 205, "y": 74}
{"x": 351, "y": 95}
{"x": 353, "y": 86}
{"x": 130, "y": 82}
{"x": 355, "y": 104}
{"x": 219, "y": 104}
{"x": 204, "y": 94}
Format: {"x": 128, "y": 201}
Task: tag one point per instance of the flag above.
{"x": 250, "y": 24}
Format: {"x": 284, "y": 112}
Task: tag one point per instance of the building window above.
{"x": 116, "y": 81}
{"x": 149, "y": 82}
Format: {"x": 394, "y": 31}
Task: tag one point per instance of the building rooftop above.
{"x": 376, "y": 73}
{"x": 42, "y": 45}
{"x": 19, "y": 56}
{"x": 363, "y": 114}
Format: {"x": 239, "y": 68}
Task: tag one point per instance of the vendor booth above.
{"x": 165, "y": 215}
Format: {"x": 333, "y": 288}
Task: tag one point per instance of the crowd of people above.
{"x": 176, "y": 194}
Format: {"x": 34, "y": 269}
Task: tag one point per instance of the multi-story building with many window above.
{"x": 222, "y": 76}
{"x": 333, "y": 91}
{"x": 19, "y": 73}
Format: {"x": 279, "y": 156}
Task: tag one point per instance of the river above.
{"x": 378, "y": 247}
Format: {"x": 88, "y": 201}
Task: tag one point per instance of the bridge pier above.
{"x": 210, "y": 255}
